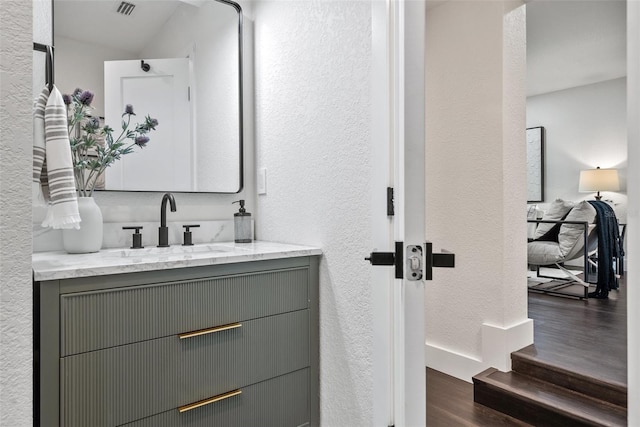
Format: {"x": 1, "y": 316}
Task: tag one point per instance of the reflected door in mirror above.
{"x": 167, "y": 160}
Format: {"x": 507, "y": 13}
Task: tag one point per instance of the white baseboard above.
{"x": 497, "y": 345}
{"x": 451, "y": 363}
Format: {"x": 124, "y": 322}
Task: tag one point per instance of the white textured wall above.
{"x": 476, "y": 187}
{"x": 513, "y": 144}
{"x": 313, "y": 136}
{"x": 585, "y": 127}
{"x": 15, "y": 211}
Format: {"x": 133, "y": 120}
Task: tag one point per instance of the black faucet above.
{"x": 163, "y": 231}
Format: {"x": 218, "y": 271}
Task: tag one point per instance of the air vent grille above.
{"x": 126, "y": 8}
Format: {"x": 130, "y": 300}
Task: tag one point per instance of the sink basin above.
{"x": 174, "y": 250}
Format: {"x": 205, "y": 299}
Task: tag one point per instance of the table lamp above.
{"x": 598, "y": 180}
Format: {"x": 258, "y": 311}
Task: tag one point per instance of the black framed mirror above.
{"x": 198, "y": 145}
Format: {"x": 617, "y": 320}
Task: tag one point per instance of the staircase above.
{"x": 542, "y": 394}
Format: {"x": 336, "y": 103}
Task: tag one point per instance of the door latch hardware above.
{"x": 382, "y": 258}
{"x": 414, "y": 262}
{"x": 389, "y": 258}
{"x": 417, "y": 259}
{"x": 390, "y": 208}
{"x": 445, "y": 259}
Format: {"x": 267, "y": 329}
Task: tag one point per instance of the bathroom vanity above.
{"x": 206, "y": 335}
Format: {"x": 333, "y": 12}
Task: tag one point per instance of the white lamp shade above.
{"x": 598, "y": 180}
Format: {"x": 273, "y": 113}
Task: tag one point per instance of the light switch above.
{"x": 262, "y": 181}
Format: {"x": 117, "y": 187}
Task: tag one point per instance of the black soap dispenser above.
{"x": 242, "y": 224}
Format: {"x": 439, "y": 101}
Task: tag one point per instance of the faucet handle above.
{"x": 187, "y": 234}
{"x": 137, "y": 236}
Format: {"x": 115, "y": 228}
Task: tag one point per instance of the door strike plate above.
{"x": 413, "y": 262}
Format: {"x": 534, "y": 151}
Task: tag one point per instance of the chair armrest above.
{"x": 549, "y": 221}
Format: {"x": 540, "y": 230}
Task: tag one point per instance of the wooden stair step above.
{"x": 541, "y": 403}
{"x": 525, "y": 362}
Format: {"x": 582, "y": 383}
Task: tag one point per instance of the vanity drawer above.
{"x": 107, "y": 318}
{"x": 279, "y": 402}
{"x": 116, "y": 385}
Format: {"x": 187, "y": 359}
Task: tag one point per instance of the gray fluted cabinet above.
{"x": 227, "y": 345}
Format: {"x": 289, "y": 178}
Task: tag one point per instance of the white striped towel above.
{"x": 39, "y": 185}
{"x": 63, "y": 202}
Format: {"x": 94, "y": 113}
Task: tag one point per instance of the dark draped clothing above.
{"x": 609, "y": 248}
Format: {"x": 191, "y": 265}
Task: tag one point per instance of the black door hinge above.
{"x": 390, "y": 209}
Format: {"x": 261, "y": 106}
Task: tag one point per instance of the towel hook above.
{"x": 49, "y": 67}
{"x": 145, "y": 67}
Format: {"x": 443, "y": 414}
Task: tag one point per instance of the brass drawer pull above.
{"x": 213, "y": 399}
{"x": 210, "y": 330}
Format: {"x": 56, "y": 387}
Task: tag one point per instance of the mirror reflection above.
{"x": 176, "y": 60}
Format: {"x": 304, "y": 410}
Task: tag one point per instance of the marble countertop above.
{"x": 61, "y": 265}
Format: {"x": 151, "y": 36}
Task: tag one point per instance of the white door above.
{"x": 399, "y": 158}
{"x": 163, "y": 93}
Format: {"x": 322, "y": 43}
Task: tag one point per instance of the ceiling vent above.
{"x": 125, "y": 8}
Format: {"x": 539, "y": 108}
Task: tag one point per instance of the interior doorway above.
{"x": 632, "y": 52}
{"x": 626, "y": 155}
{"x": 577, "y": 92}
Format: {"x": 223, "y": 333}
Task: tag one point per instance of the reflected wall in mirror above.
{"x": 535, "y": 164}
{"x": 192, "y": 86}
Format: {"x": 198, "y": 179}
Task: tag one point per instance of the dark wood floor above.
{"x": 585, "y": 336}
{"x": 450, "y": 404}
{"x": 589, "y": 337}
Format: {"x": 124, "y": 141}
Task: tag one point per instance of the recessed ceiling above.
{"x": 574, "y": 43}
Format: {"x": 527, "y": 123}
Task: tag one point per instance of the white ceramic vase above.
{"x": 89, "y": 237}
